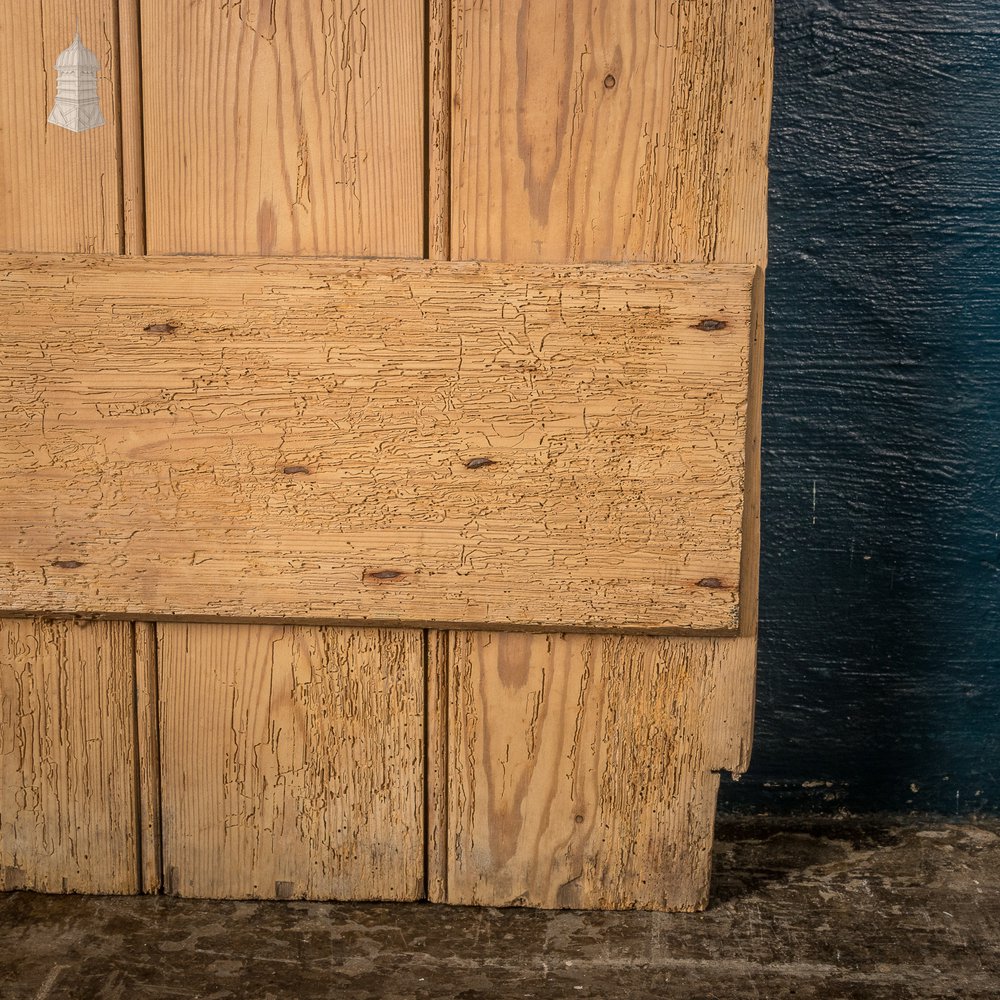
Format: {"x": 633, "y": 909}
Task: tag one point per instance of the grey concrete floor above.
{"x": 834, "y": 909}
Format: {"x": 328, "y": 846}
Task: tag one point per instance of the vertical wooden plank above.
{"x": 560, "y": 109}
{"x": 59, "y": 190}
{"x": 277, "y": 127}
{"x": 436, "y": 764}
{"x": 281, "y": 127}
{"x": 714, "y": 187}
{"x": 67, "y": 737}
{"x": 290, "y": 761}
{"x": 148, "y": 758}
{"x": 439, "y": 121}
{"x": 439, "y": 95}
{"x": 132, "y": 160}
{"x": 147, "y": 735}
{"x": 611, "y": 131}
{"x": 590, "y": 131}
{"x": 581, "y": 770}
{"x": 67, "y": 757}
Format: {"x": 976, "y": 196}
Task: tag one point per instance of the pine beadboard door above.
{"x": 284, "y": 760}
{"x": 291, "y": 756}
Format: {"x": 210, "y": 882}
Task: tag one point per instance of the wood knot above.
{"x": 479, "y": 463}
{"x": 296, "y": 470}
{"x": 711, "y": 581}
{"x": 710, "y": 325}
{"x": 67, "y": 564}
{"x": 381, "y": 575}
{"x": 609, "y": 81}
{"x": 160, "y": 328}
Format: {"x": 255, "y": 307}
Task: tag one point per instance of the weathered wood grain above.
{"x": 132, "y": 152}
{"x": 68, "y": 810}
{"x": 67, "y": 757}
{"x": 436, "y": 767}
{"x": 284, "y": 127}
{"x": 59, "y": 190}
{"x": 144, "y": 665}
{"x": 287, "y": 128}
{"x": 628, "y": 732}
{"x": 611, "y": 130}
{"x": 292, "y": 761}
{"x": 439, "y": 121}
{"x": 378, "y": 441}
{"x": 581, "y": 769}
{"x": 147, "y": 740}
{"x": 624, "y": 131}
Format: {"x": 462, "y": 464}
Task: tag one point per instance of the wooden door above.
{"x": 301, "y": 756}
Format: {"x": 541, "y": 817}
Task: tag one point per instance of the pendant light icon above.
{"x": 76, "y": 106}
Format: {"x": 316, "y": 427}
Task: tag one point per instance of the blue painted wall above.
{"x": 879, "y": 679}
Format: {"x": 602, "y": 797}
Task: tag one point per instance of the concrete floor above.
{"x": 833, "y": 909}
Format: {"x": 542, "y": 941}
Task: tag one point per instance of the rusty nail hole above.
{"x": 609, "y": 81}
{"x": 67, "y": 564}
{"x": 382, "y": 574}
{"x": 479, "y": 463}
{"x": 296, "y": 470}
{"x": 711, "y": 581}
{"x": 160, "y": 328}
{"x": 711, "y": 324}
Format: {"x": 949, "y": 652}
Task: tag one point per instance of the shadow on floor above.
{"x": 752, "y": 854}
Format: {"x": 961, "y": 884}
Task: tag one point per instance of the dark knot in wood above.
{"x": 296, "y": 470}
{"x": 67, "y": 564}
{"x": 479, "y": 463}
{"x": 160, "y": 328}
{"x": 711, "y": 581}
{"x": 381, "y": 575}
{"x": 710, "y": 324}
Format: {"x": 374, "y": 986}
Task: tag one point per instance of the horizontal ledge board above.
{"x": 383, "y": 441}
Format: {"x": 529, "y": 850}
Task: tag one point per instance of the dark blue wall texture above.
{"x": 879, "y": 670}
